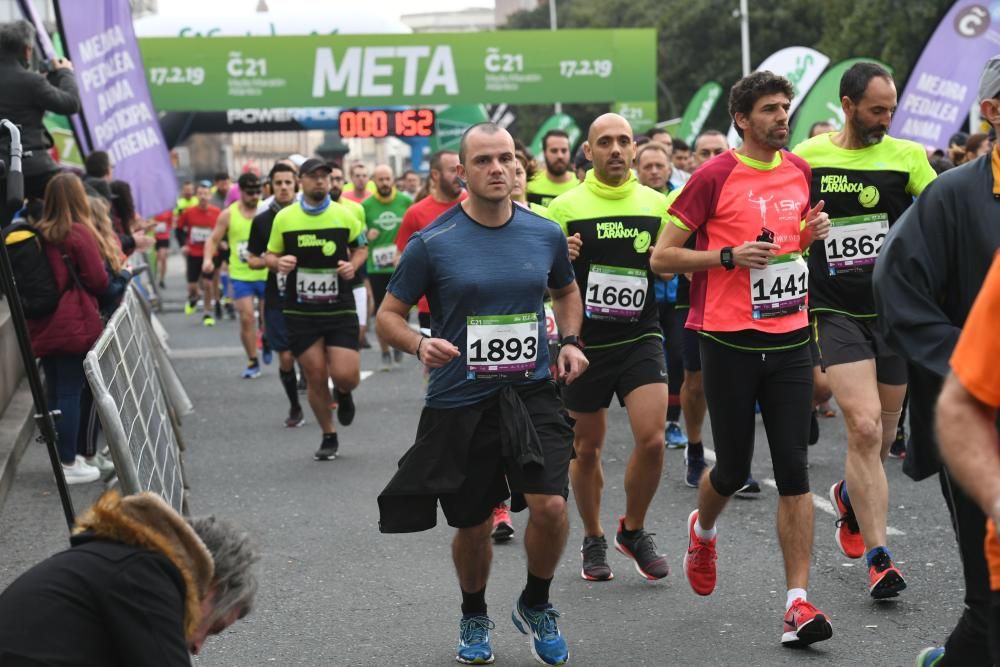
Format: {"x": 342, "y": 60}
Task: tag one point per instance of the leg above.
{"x": 795, "y": 534}
{"x": 161, "y": 263}
{"x": 693, "y": 406}
{"x": 891, "y": 398}
{"x": 64, "y": 383}
{"x": 314, "y": 365}
{"x": 248, "y": 333}
{"x": 208, "y": 291}
{"x": 472, "y": 553}
{"x": 585, "y": 472}
{"x": 545, "y": 535}
{"x": 647, "y": 406}
{"x": 344, "y": 367}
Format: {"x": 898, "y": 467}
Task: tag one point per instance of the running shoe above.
{"x": 884, "y": 578}
{"x": 547, "y": 643}
{"x": 218, "y": 310}
{"x": 699, "y": 561}
{"x": 695, "y": 469}
{"x": 207, "y": 320}
{"x": 386, "y": 364}
{"x": 327, "y": 450}
{"x": 345, "y": 407}
{"x": 825, "y": 410}
{"x": 266, "y": 354}
{"x": 230, "y": 310}
{"x": 930, "y": 657}
{"x": 804, "y": 625}
{"x": 848, "y": 535}
{"x": 251, "y": 372}
{"x": 163, "y": 285}
{"x": 651, "y": 564}
{"x": 751, "y": 489}
{"x": 897, "y": 450}
{"x": 397, "y": 356}
{"x": 813, "y": 428}
{"x": 503, "y": 529}
{"x": 594, "y": 554}
{"x": 189, "y": 307}
{"x": 295, "y": 418}
{"x": 674, "y": 436}
{"x": 474, "y": 646}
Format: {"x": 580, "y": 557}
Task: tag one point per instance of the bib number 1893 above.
{"x": 499, "y": 346}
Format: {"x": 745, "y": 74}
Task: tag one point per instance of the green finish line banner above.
{"x": 512, "y": 67}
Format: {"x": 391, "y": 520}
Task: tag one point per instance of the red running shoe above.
{"x": 804, "y": 625}
{"x": 503, "y": 529}
{"x": 884, "y": 578}
{"x": 848, "y": 535}
{"x": 699, "y": 561}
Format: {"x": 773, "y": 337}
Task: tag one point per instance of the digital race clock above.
{"x": 379, "y": 123}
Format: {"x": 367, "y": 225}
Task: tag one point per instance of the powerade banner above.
{"x": 510, "y": 67}
{"x": 119, "y": 116}
{"x": 800, "y": 65}
{"x": 822, "y": 104}
{"x": 697, "y": 111}
{"x": 943, "y": 85}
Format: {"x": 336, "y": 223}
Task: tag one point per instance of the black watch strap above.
{"x": 726, "y": 258}
{"x": 571, "y": 340}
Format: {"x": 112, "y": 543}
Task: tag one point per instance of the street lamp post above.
{"x": 745, "y": 35}
{"x": 553, "y": 24}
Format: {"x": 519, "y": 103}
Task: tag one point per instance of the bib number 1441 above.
{"x": 781, "y": 288}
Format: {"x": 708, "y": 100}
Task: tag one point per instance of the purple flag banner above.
{"x": 942, "y": 87}
{"x": 117, "y": 108}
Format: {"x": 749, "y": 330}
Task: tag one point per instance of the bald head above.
{"x": 383, "y": 179}
{"x": 611, "y": 147}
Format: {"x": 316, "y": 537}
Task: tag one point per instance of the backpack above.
{"x": 36, "y": 284}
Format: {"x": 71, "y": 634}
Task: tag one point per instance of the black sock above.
{"x": 673, "y": 413}
{"x": 290, "y": 383}
{"x": 536, "y": 592}
{"x": 695, "y": 449}
{"x": 330, "y": 437}
{"x": 630, "y": 534}
{"x": 474, "y": 603}
{"x": 252, "y": 361}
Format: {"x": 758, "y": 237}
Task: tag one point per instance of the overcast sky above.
{"x": 389, "y": 8}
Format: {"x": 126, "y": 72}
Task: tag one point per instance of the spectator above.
{"x": 140, "y": 585}
{"x": 128, "y": 225}
{"x": 220, "y": 189}
{"x": 682, "y": 156}
{"x": 26, "y": 97}
{"x": 956, "y": 148}
{"x": 62, "y": 339}
{"x": 977, "y": 145}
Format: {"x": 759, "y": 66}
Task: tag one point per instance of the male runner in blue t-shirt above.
{"x": 493, "y": 418}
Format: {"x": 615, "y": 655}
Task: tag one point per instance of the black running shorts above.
{"x": 616, "y": 370}
{"x": 843, "y": 340}
{"x": 335, "y": 331}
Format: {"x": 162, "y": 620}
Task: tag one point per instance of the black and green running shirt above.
{"x": 865, "y": 191}
{"x": 318, "y": 242}
{"x": 618, "y": 227}
{"x": 541, "y": 190}
{"x": 384, "y": 216}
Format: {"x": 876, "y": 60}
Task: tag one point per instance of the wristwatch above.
{"x": 726, "y": 257}
{"x": 571, "y": 340}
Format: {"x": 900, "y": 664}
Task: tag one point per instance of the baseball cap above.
{"x": 989, "y": 81}
{"x": 248, "y": 181}
{"x": 314, "y": 164}
{"x": 204, "y": 183}
{"x": 297, "y": 159}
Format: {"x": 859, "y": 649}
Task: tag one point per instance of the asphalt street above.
{"x": 334, "y": 591}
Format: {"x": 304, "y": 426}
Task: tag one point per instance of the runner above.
{"x": 384, "y": 213}
{"x": 358, "y": 191}
{"x": 681, "y": 156}
{"x": 162, "y": 234}
{"x": 867, "y": 180}
{"x": 748, "y": 302}
{"x": 358, "y": 288}
{"x": 185, "y": 200}
{"x": 612, "y": 222}
{"x": 283, "y": 185}
{"x": 557, "y": 177}
{"x": 198, "y": 222}
{"x": 320, "y": 246}
{"x": 658, "y": 135}
{"x": 492, "y": 416}
{"x": 411, "y": 183}
{"x": 248, "y": 283}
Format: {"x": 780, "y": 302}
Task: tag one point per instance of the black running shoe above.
{"x": 749, "y": 490}
{"x": 218, "y": 310}
{"x": 345, "y": 407}
{"x": 641, "y": 549}
{"x": 595, "y": 559}
{"x": 897, "y": 450}
{"x": 327, "y": 451}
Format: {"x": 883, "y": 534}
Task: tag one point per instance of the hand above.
{"x": 372, "y": 234}
{"x": 345, "y": 270}
{"x": 572, "y": 363}
{"x": 62, "y": 63}
{"x": 207, "y": 266}
{"x": 436, "y": 352}
{"x": 143, "y": 242}
{"x": 754, "y": 254}
{"x": 287, "y": 263}
{"x": 575, "y": 243}
{"x": 818, "y": 222}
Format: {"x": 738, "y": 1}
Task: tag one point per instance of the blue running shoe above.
{"x": 266, "y": 355}
{"x": 474, "y": 647}
{"x": 251, "y": 372}
{"x": 675, "y": 436}
{"x": 930, "y": 657}
{"x": 547, "y": 643}
{"x": 695, "y": 469}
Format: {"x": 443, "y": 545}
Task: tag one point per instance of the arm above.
{"x": 88, "y": 261}
{"x": 357, "y": 260}
{"x": 391, "y": 325}
{"x": 967, "y": 433}
{"x": 670, "y": 255}
{"x": 212, "y": 244}
{"x": 568, "y": 309}
{"x": 58, "y": 93}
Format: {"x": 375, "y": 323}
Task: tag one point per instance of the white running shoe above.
{"x": 80, "y": 472}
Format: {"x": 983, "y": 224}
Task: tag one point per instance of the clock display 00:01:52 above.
{"x": 377, "y": 123}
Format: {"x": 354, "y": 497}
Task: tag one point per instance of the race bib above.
{"x": 384, "y": 257}
{"x": 282, "y": 282}
{"x": 501, "y": 346}
{"x": 854, "y": 242}
{"x": 161, "y": 228}
{"x": 781, "y": 288}
{"x": 615, "y": 293}
{"x": 200, "y": 234}
{"x": 241, "y": 251}
{"x": 551, "y": 330}
{"x": 317, "y": 285}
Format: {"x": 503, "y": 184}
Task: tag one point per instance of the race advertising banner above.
{"x": 942, "y": 87}
{"x": 119, "y": 115}
{"x": 697, "y": 111}
{"x": 510, "y": 67}
{"x": 800, "y": 65}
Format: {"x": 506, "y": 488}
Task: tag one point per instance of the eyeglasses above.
{"x": 252, "y": 191}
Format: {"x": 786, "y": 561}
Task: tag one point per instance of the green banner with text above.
{"x": 512, "y": 67}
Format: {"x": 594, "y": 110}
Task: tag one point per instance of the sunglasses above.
{"x": 252, "y": 191}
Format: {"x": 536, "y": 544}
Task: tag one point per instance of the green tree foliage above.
{"x": 699, "y": 40}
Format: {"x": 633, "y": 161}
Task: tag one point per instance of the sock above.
{"x": 703, "y": 533}
{"x": 290, "y": 383}
{"x": 252, "y": 361}
{"x": 870, "y": 556}
{"x": 843, "y": 494}
{"x": 695, "y": 450}
{"x": 674, "y": 408}
{"x": 474, "y": 603}
{"x": 793, "y": 595}
{"x": 536, "y": 592}
{"x": 330, "y": 438}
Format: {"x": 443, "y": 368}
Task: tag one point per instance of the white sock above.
{"x": 703, "y": 533}
{"x": 793, "y": 595}
{"x": 361, "y": 304}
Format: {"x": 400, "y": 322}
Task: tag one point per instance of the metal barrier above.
{"x": 140, "y": 401}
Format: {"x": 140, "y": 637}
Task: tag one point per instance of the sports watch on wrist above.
{"x": 571, "y": 340}
{"x": 726, "y": 257}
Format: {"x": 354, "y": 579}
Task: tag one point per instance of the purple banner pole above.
{"x": 942, "y": 87}
{"x": 115, "y": 97}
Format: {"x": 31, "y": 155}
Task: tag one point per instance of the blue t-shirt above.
{"x": 474, "y": 276}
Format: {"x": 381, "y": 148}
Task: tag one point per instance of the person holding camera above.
{"x": 27, "y": 96}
